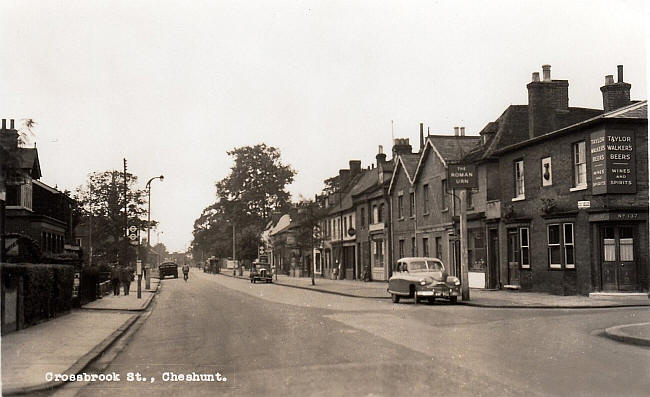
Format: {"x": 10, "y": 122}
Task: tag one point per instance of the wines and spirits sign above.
{"x": 613, "y": 164}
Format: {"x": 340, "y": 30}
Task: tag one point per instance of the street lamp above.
{"x": 148, "y": 277}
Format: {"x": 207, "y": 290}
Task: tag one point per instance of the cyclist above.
{"x": 186, "y": 270}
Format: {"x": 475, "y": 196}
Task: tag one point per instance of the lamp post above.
{"x": 147, "y": 272}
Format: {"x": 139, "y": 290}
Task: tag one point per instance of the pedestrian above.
{"x": 125, "y": 278}
{"x": 115, "y": 280}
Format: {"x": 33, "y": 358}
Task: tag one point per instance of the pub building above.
{"x": 575, "y": 203}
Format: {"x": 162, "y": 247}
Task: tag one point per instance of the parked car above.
{"x": 261, "y": 271}
{"x": 422, "y": 278}
{"x": 168, "y": 269}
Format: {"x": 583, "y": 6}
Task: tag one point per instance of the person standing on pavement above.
{"x": 115, "y": 279}
{"x": 125, "y": 279}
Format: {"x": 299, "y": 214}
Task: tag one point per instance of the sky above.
{"x": 173, "y": 85}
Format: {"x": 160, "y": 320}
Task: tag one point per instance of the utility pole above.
{"x": 463, "y": 245}
{"x": 126, "y": 220}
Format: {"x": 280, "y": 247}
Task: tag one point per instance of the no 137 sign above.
{"x": 461, "y": 176}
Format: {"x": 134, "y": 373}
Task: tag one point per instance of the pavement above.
{"x": 67, "y": 344}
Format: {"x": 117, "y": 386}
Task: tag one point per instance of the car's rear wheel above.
{"x": 394, "y": 298}
{"x": 432, "y": 300}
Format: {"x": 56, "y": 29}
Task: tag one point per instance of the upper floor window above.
{"x": 363, "y": 216}
{"x": 579, "y": 165}
{"x": 401, "y": 248}
{"x": 519, "y": 179}
{"x": 443, "y": 194}
{"x": 20, "y": 195}
{"x": 411, "y": 203}
{"x": 414, "y": 250}
{"x": 425, "y": 246}
{"x": 400, "y": 206}
{"x": 425, "y": 199}
{"x": 469, "y": 197}
{"x": 380, "y": 217}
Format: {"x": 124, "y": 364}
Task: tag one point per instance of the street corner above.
{"x": 634, "y": 334}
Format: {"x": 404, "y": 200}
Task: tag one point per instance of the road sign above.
{"x": 133, "y": 237}
{"x": 133, "y": 229}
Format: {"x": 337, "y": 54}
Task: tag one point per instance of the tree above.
{"x": 245, "y": 200}
{"x": 102, "y": 198}
{"x": 308, "y": 233}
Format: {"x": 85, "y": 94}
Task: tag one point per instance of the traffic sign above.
{"x": 133, "y": 237}
{"x": 133, "y": 229}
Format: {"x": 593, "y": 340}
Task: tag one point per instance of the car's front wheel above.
{"x": 416, "y": 297}
{"x": 453, "y": 299}
{"x": 394, "y": 298}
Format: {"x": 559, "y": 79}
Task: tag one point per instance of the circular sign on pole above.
{"x": 133, "y": 229}
{"x": 133, "y": 237}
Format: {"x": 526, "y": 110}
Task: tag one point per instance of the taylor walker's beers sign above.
{"x": 613, "y": 165}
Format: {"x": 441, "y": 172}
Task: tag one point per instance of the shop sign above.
{"x": 613, "y": 163}
{"x": 584, "y": 204}
{"x": 462, "y": 176}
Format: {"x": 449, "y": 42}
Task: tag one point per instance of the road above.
{"x": 271, "y": 340}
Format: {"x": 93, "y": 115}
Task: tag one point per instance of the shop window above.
{"x": 579, "y": 165}
{"x": 519, "y": 180}
{"x": 438, "y": 247}
{"x": 476, "y": 250}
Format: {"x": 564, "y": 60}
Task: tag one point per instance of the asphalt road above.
{"x": 273, "y": 340}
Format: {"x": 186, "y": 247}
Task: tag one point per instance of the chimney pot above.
{"x": 462, "y": 131}
{"x": 620, "y": 73}
{"x": 421, "y": 136}
{"x": 11, "y": 125}
{"x": 546, "y": 69}
{"x": 609, "y": 79}
{"x": 535, "y": 77}
{"x": 381, "y": 149}
{"x": 456, "y": 131}
{"x": 4, "y": 124}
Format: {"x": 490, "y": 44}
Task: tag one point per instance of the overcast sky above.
{"x": 173, "y": 85}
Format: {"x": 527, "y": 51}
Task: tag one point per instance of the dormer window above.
{"x": 20, "y": 195}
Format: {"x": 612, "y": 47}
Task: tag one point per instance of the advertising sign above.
{"x": 460, "y": 176}
{"x": 613, "y": 162}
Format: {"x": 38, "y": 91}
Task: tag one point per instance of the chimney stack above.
{"x": 355, "y": 167}
{"x": 546, "y": 99}
{"x": 380, "y": 157}
{"x": 8, "y": 137}
{"x": 402, "y": 146}
{"x": 546, "y": 71}
{"x": 421, "y": 136}
{"x": 615, "y": 95}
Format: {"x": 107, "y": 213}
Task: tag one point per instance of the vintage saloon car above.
{"x": 168, "y": 269}
{"x": 422, "y": 278}
{"x": 261, "y": 271}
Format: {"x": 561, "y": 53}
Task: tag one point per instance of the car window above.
{"x": 425, "y": 265}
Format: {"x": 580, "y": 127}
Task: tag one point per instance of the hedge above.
{"x": 47, "y": 289}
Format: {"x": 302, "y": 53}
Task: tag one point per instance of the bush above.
{"x": 47, "y": 289}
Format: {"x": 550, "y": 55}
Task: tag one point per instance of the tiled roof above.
{"x": 453, "y": 148}
{"x": 368, "y": 180}
{"x": 29, "y": 161}
{"x": 637, "y": 110}
{"x": 346, "y": 196}
{"x": 410, "y": 162}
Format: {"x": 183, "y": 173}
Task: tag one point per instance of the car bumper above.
{"x": 441, "y": 291}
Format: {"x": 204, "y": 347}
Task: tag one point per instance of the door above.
{"x": 493, "y": 258}
{"x": 513, "y": 257}
{"x": 618, "y": 266}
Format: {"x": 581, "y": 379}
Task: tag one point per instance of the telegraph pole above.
{"x": 126, "y": 220}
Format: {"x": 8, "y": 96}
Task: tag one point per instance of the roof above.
{"x": 28, "y": 158}
{"x": 367, "y": 181}
{"x": 408, "y": 162}
{"x": 448, "y": 148}
{"x": 635, "y": 111}
{"x": 512, "y": 128}
{"x": 346, "y": 197}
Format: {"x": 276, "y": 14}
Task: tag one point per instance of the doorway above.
{"x": 617, "y": 247}
{"x": 513, "y": 257}
{"x": 493, "y": 259}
